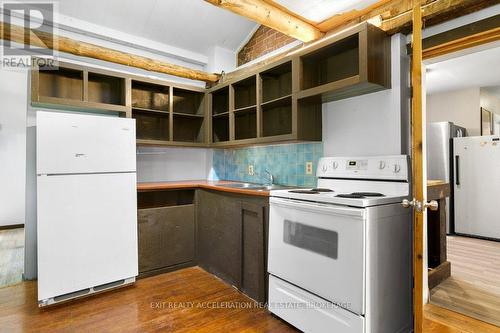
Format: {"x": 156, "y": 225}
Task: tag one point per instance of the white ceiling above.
{"x": 320, "y": 10}
{"x": 479, "y": 69}
{"x": 190, "y": 24}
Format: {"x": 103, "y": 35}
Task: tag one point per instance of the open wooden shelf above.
{"x": 188, "y": 102}
{"x": 335, "y": 62}
{"x": 151, "y": 125}
{"x": 188, "y": 128}
{"x": 245, "y": 123}
{"x": 64, "y": 83}
{"x": 245, "y": 93}
{"x": 246, "y": 108}
{"x": 106, "y": 89}
{"x": 220, "y": 101}
{"x": 277, "y": 117}
{"x": 220, "y": 128}
{"x": 147, "y": 95}
{"x": 277, "y": 82}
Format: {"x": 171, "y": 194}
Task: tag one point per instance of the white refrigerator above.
{"x": 86, "y": 204}
{"x": 477, "y": 186}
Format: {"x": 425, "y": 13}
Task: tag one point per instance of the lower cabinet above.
{"x": 224, "y": 233}
{"x": 232, "y": 240}
{"x": 166, "y": 231}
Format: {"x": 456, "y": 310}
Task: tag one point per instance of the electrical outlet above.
{"x": 309, "y": 168}
{"x": 250, "y": 170}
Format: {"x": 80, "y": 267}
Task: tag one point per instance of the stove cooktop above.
{"x": 326, "y": 195}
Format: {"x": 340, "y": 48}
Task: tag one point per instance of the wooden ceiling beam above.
{"x": 271, "y": 16}
{"x": 15, "y": 33}
{"x": 396, "y": 15}
{"x": 434, "y": 12}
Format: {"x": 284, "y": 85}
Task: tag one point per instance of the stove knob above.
{"x": 335, "y": 165}
{"x": 397, "y": 168}
{"x": 381, "y": 165}
{"x": 324, "y": 167}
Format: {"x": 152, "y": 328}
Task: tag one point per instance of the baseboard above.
{"x": 13, "y": 226}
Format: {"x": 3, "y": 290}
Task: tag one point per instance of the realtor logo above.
{"x": 27, "y": 30}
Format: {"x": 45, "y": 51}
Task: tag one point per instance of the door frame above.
{"x": 459, "y": 43}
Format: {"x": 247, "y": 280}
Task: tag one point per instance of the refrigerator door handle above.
{"x": 457, "y": 170}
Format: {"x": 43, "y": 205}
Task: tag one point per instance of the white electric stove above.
{"x": 340, "y": 254}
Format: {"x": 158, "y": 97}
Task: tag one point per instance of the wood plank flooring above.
{"x": 187, "y": 300}
{"x": 181, "y": 301}
{"x": 11, "y": 256}
{"x": 474, "y": 286}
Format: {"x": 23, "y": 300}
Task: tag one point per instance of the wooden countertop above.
{"x": 193, "y": 184}
{"x": 437, "y": 189}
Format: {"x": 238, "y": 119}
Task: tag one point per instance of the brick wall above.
{"x": 263, "y": 41}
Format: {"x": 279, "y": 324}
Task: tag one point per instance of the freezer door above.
{"x": 477, "y": 186}
{"x": 75, "y": 143}
{"x": 87, "y": 231}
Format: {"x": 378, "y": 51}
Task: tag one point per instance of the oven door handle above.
{"x": 317, "y": 207}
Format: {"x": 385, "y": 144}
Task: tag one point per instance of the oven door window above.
{"x": 317, "y": 240}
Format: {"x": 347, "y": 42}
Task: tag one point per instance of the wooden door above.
{"x": 254, "y": 250}
{"x": 219, "y": 235}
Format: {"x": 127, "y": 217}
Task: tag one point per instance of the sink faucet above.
{"x": 270, "y": 177}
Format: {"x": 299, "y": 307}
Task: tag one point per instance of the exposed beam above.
{"x": 480, "y": 38}
{"x": 434, "y": 12}
{"x": 15, "y": 33}
{"x": 271, "y": 16}
{"x": 396, "y": 15}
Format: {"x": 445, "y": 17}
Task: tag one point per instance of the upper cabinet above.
{"x": 353, "y": 63}
{"x": 166, "y": 113}
{"x": 78, "y": 87}
{"x": 276, "y": 102}
{"x": 282, "y": 101}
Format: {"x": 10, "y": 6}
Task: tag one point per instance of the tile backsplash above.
{"x": 287, "y": 163}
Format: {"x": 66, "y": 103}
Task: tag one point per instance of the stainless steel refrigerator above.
{"x": 440, "y": 162}
{"x": 477, "y": 186}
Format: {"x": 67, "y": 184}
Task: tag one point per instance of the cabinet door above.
{"x": 166, "y": 237}
{"x": 219, "y": 235}
{"x": 254, "y": 244}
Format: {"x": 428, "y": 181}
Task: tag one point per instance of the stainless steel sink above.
{"x": 254, "y": 187}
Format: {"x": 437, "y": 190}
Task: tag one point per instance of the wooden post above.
{"x": 418, "y": 165}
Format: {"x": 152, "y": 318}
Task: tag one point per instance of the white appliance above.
{"x": 477, "y": 186}
{"x": 340, "y": 255}
{"x": 86, "y": 204}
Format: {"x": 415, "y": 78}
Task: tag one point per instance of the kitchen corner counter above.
{"x": 205, "y": 184}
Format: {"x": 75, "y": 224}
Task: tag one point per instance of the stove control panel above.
{"x": 373, "y": 167}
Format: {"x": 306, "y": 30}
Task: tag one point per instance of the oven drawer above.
{"x": 320, "y": 248}
{"x": 308, "y": 312}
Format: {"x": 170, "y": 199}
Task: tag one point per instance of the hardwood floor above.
{"x": 181, "y": 301}
{"x": 11, "y": 256}
{"x": 474, "y": 286}
{"x": 440, "y": 320}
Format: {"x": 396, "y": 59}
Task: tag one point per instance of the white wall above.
{"x": 461, "y": 107}
{"x": 489, "y": 100}
{"x": 168, "y": 164}
{"x": 13, "y": 105}
{"x": 221, "y": 59}
{"x": 372, "y": 124}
